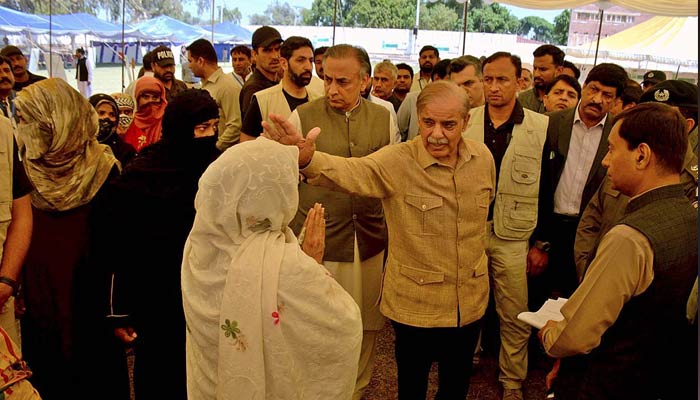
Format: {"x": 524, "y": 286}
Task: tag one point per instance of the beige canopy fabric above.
{"x": 670, "y": 8}
{"x": 662, "y": 41}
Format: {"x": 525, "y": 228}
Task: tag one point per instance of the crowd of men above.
{"x": 469, "y": 178}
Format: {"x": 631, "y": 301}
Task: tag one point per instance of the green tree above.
{"x": 439, "y": 17}
{"x": 260, "y": 19}
{"x": 536, "y": 28}
{"x": 276, "y": 13}
{"x": 388, "y": 14}
{"x": 561, "y": 28}
{"x": 492, "y": 19}
{"x": 234, "y": 15}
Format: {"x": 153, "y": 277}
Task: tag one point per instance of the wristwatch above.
{"x": 543, "y": 246}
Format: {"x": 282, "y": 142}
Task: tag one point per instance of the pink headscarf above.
{"x": 146, "y": 127}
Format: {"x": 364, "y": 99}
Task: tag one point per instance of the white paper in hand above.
{"x": 550, "y": 310}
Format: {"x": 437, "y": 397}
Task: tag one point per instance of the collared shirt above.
{"x": 240, "y": 80}
{"x": 579, "y": 160}
{"x": 623, "y": 268}
{"x": 224, "y": 90}
{"x": 436, "y": 217}
{"x": 419, "y": 83}
{"x": 498, "y": 138}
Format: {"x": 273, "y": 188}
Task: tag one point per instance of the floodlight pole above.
{"x": 597, "y": 43}
{"x": 464, "y": 28}
{"x": 335, "y": 17}
{"x": 124, "y": 56}
{"x": 50, "y": 38}
{"x": 212, "y": 21}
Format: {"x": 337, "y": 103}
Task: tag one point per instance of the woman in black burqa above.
{"x": 145, "y": 218}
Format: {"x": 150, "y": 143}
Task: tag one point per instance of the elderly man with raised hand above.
{"x": 436, "y": 192}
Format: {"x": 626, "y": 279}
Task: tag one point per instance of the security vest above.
{"x": 272, "y": 100}
{"x": 518, "y": 187}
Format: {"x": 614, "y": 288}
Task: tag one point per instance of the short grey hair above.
{"x": 388, "y": 67}
{"x": 347, "y": 51}
{"x": 440, "y": 90}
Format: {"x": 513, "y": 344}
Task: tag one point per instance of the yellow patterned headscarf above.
{"x": 57, "y": 141}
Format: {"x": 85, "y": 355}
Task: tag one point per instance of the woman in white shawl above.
{"x": 264, "y": 319}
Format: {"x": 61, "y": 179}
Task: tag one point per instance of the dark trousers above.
{"x": 417, "y": 348}
{"x": 559, "y": 278}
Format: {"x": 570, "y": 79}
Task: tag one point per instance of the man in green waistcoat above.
{"x": 355, "y": 228}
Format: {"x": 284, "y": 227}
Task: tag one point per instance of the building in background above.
{"x": 585, "y": 22}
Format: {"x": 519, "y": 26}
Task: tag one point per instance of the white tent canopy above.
{"x": 670, "y": 8}
{"x": 664, "y": 43}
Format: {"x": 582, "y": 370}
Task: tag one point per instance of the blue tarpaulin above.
{"x": 167, "y": 28}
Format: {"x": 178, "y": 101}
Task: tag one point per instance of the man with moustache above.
{"x": 355, "y": 227}
{"x": 268, "y": 71}
{"x": 435, "y": 191}
{"x": 577, "y": 140}
{"x": 7, "y": 82}
{"x": 526, "y": 78}
{"x": 427, "y": 58}
{"x": 547, "y": 64}
{"x": 296, "y": 58}
{"x": 465, "y": 71}
{"x": 23, "y": 77}
{"x": 164, "y": 69}
{"x": 404, "y": 80}
{"x": 516, "y": 137}
{"x": 384, "y": 81}
{"x": 562, "y": 93}
{"x": 241, "y": 62}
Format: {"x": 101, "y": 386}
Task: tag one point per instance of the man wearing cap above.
{"x": 268, "y": 71}
{"x": 651, "y": 78}
{"x": 23, "y": 77}
{"x": 83, "y": 72}
{"x": 163, "y": 63}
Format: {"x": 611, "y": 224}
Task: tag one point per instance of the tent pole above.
{"x": 213, "y": 7}
{"x": 677, "y": 71}
{"x": 50, "y": 40}
{"x": 124, "y": 56}
{"x": 597, "y": 43}
{"x": 335, "y": 17}
{"x": 464, "y": 28}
